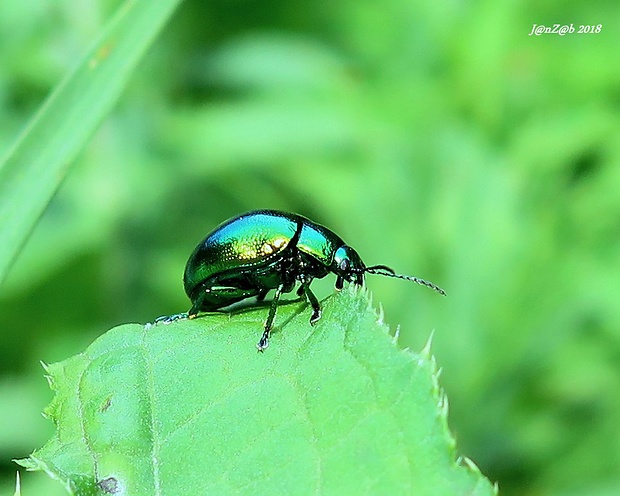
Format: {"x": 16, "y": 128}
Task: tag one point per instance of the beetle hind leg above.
{"x": 169, "y": 319}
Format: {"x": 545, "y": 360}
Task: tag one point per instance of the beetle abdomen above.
{"x": 243, "y": 242}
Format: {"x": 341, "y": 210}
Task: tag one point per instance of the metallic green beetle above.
{"x": 258, "y": 251}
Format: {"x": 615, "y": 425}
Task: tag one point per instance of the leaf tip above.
{"x": 380, "y": 315}
{"x": 426, "y": 350}
{"x": 18, "y": 490}
{"x": 396, "y": 335}
{"x": 442, "y": 404}
{"x": 471, "y": 465}
{"x": 27, "y": 463}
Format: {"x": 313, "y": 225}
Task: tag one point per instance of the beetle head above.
{"x": 348, "y": 266}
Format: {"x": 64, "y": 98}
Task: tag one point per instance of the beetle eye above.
{"x": 344, "y": 265}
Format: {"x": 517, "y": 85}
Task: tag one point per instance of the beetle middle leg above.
{"x": 264, "y": 340}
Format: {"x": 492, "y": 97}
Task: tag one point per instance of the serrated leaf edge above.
{"x": 437, "y": 391}
{"x": 33, "y": 464}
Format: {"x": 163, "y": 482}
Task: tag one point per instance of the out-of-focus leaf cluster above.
{"x": 439, "y": 139}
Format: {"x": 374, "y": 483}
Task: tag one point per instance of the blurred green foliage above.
{"x": 438, "y": 138}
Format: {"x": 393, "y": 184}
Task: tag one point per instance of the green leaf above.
{"x": 192, "y": 408}
{"x": 33, "y": 169}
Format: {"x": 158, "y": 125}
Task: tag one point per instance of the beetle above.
{"x": 263, "y": 250}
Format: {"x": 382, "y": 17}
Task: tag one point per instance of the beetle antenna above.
{"x": 384, "y": 270}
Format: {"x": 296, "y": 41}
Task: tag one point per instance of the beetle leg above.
{"x": 264, "y": 340}
{"x": 316, "y": 307}
{"x": 193, "y": 312}
{"x": 226, "y": 294}
{"x": 168, "y": 319}
{"x": 261, "y": 296}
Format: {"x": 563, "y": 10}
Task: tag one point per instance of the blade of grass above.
{"x": 38, "y": 161}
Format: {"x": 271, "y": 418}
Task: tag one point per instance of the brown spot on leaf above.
{"x": 108, "y": 485}
{"x": 106, "y": 404}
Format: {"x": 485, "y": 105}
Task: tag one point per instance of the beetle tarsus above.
{"x": 192, "y": 313}
{"x": 264, "y": 342}
{"x": 316, "y": 306}
{"x": 316, "y": 316}
{"x": 169, "y": 319}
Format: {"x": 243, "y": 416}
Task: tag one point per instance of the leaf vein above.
{"x": 150, "y": 396}
{"x": 85, "y": 436}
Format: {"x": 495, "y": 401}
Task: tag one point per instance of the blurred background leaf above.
{"x": 437, "y": 138}
{"x": 36, "y": 164}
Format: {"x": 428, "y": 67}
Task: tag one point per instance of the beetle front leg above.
{"x": 264, "y": 340}
{"x": 316, "y": 307}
